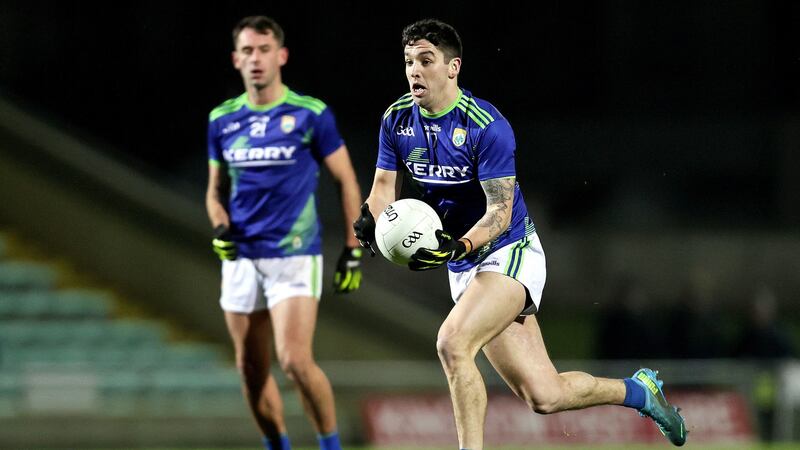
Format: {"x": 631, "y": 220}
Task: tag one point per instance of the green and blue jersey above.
{"x": 447, "y": 155}
{"x": 272, "y": 154}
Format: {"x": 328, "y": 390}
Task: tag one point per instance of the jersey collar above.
{"x": 428, "y": 115}
{"x": 268, "y": 106}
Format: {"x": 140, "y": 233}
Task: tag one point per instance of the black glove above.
{"x": 429, "y": 258}
{"x": 222, "y": 244}
{"x": 348, "y": 271}
{"x": 364, "y": 228}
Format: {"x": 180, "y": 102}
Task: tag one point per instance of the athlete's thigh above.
{"x": 490, "y": 302}
{"x": 291, "y": 276}
{"x": 294, "y": 320}
{"x": 520, "y": 357}
{"x": 293, "y": 300}
{"x": 251, "y": 334}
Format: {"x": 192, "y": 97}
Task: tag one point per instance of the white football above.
{"x": 405, "y": 226}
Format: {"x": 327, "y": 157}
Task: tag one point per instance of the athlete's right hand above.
{"x": 364, "y": 228}
{"x": 222, "y": 244}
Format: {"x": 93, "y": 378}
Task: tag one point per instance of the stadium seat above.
{"x": 138, "y": 370}
{"x": 76, "y": 303}
{"x": 20, "y": 276}
{"x": 123, "y": 391}
{"x": 190, "y": 392}
{"x": 96, "y": 332}
{"x": 191, "y": 353}
{"x": 153, "y": 356}
{"x": 10, "y": 393}
{"x": 62, "y": 304}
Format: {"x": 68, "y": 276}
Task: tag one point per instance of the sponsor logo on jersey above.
{"x": 433, "y": 127}
{"x": 287, "y": 123}
{"x": 231, "y": 127}
{"x": 435, "y": 170}
{"x": 405, "y": 131}
{"x": 258, "y": 126}
{"x": 459, "y": 137}
{"x": 259, "y": 156}
{"x": 489, "y": 263}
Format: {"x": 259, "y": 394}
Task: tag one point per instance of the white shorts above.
{"x": 522, "y": 260}
{"x": 255, "y": 284}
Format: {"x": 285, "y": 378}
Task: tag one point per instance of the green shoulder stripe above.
{"x": 482, "y": 112}
{"x": 405, "y": 98}
{"x": 227, "y": 107}
{"x": 306, "y": 101}
{"x": 317, "y": 103}
{"x": 403, "y": 102}
{"x": 472, "y": 114}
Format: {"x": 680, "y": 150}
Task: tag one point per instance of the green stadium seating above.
{"x": 62, "y": 304}
{"x": 99, "y": 333}
{"x": 10, "y": 392}
{"x": 191, "y": 392}
{"x": 135, "y": 368}
{"x": 18, "y": 276}
{"x": 123, "y": 392}
{"x": 162, "y": 355}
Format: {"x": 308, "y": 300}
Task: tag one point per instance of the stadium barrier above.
{"x": 378, "y": 402}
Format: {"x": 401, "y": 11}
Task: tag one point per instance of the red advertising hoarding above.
{"x": 394, "y": 420}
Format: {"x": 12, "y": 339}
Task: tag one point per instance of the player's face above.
{"x": 429, "y": 73}
{"x": 258, "y": 57}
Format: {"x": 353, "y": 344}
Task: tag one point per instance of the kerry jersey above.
{"x": 272, "y": 154}
{"x": 447, "y": 155}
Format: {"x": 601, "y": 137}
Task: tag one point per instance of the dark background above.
{"x": 635, "y": 115}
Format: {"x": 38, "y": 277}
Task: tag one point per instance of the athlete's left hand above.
{"x": 429, "y": 258}
{"x": 348, "y": 271}
{"x": 223, "y": 245}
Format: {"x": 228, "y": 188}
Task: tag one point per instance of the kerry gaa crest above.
{"x": 287, "y": 124}
{"x": 459, "y": 137}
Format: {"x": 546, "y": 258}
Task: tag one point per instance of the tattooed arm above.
{"x": 499, "y": 202}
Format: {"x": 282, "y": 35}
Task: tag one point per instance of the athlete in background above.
{"x": 460, "y": 151}
{"x": 265, "y": 150}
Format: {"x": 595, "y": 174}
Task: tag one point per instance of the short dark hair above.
{"x": 438, "y": 33}
{"x": 262, "y": 25}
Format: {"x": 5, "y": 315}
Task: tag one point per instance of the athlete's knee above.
{"x": 552, "y": 400}
{"x": 545, "y": 405}
{"x": 296, "y": 365}
{"x": 250, "y": 367}
{"x": 452, "y": 350}
{"x": 253, "y": 372}
{"x": 547, "y": 402}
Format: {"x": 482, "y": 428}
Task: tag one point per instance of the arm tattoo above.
{"x": 499, "y": 191}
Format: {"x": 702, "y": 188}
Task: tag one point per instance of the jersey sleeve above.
{"x": 387, "y": 156}
{"x": 214, "y": 149}
{"x": 326, "y": 138}
{"x": 496, "y": 151}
